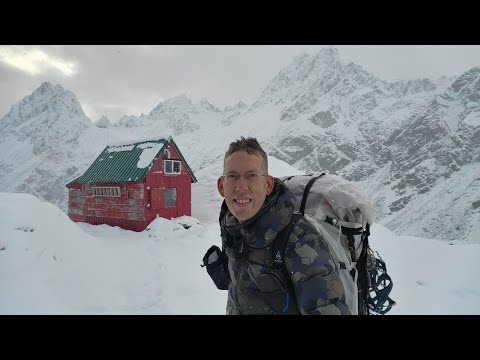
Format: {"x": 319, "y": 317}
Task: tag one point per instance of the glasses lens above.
{"x": 250, "y": 178}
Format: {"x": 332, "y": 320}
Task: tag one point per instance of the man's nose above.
{"x": 241, "y": 184}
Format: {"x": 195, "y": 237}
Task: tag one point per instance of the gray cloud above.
{"x": 129, "y": 80}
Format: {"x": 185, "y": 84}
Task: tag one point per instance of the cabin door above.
{"x": 158, "y": 195}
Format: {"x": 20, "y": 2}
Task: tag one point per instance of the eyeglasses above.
{"x": 250, "y": 178}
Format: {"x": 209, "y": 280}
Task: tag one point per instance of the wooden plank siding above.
{"x": 130, "y": 204}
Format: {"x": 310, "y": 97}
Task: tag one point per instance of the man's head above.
{"x": 245, "y": 182}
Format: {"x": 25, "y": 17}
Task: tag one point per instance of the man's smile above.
{"x": 242, "y": 201}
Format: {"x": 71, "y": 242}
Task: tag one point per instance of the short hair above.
{"x": 251, "y": 146}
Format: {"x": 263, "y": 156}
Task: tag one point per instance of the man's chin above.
{"x": 242, "y": 214}
{"x": 242, "y": 218}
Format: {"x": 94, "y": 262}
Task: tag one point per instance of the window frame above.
{"x": 172, "y": 167}
{"x": 106, "y": 191}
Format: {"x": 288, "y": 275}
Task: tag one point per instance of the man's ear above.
{"x": 270, "y": 183}
{"x": 220, "y": 186}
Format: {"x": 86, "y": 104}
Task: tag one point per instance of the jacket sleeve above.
{"x": 216, "y": 263}
{"x": 316, "y": 283}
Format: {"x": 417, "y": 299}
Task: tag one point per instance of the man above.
{"x": 257, "y": 207}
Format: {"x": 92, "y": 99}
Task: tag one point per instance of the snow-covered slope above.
{"x": 50, "y": 265}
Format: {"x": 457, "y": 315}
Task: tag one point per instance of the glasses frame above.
{"x": 244, "y": 176}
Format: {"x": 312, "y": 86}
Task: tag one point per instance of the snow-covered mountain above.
{"x": 413, "y": 145}
{"x": 440, "y": 150}
{"x": 45, "y": 140}
{"x": 103, "y": 122}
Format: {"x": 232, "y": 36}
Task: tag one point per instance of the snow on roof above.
{"x": 148, "y": 153}
{"x": 120, "y": 148}
{"x": 140, "y": 140}
{"x": 150, "y": 149}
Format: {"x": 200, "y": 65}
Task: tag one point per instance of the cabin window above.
{"x": 172, "y": 167}
{"x": 110, "y": 191}
{"x": 170, "y": 197}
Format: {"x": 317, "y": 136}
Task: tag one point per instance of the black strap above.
{"x": 280, "y": 242}
{"x": 362, "y": 281}
{"x": 288, "y": 178}
{"x": 306, "y": 191}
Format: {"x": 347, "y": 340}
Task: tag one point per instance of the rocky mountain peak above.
{"x": 467, "y": 86}
{"x": 241, "y": 105}
{"x": 179, "y": 100}
{"x": 205, "y": 104}
{"x": 45, "y": 87}
{"x": 47, "y": 104}
{"x": 103, "y": 122}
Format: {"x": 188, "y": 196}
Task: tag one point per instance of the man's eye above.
{"x": 232, "y": 177}
{"x": 252, "y": 176}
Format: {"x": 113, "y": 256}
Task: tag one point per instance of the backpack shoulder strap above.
{"x": 280, "y": 242}
{"x": 306, "y": 191}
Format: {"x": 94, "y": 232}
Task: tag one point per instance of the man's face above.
{"x": 244, "y": 185}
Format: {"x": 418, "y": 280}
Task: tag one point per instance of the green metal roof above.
{"x": 119, "y": 163}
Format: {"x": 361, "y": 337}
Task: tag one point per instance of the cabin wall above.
{"x": 128, "y": 206}
{"x": 156, "y": 181}
{"x": 126, "y": 211}
{"x": 76, "y": 202}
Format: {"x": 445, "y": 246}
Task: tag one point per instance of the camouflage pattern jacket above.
{"x": 256, "y": 287}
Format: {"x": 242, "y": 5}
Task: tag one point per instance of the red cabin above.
{"x": 129, "y": 185}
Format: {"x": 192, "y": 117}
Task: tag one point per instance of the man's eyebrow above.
{"x": 237, "y": 172}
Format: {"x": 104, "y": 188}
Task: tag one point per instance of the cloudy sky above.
{"x": 130, "y": 79}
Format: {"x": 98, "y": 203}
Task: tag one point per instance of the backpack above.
{"x": 342, "y": 214}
